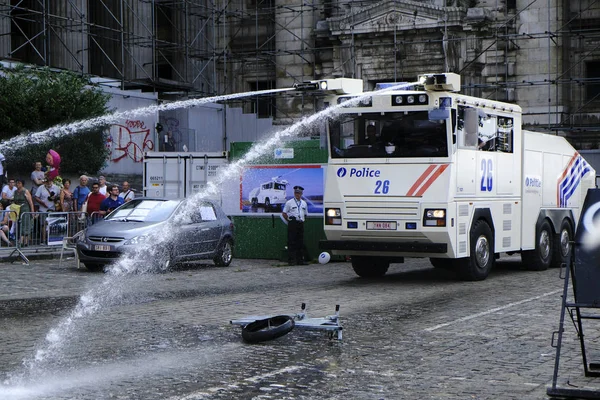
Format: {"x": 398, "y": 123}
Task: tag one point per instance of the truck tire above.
{"x": 562, "y": 244}
{"x": 267, "y": 329}
{"x": 224, "y": 254}
{"x": 267, "y": 203}
{"x": 370, "y": 267}
{"x": 254, "y": 202}
{"x": 478, "y": 265}
{"x": 540, "y": 258}
{"x": 442, "y": 263}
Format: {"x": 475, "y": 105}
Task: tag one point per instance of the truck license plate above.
{"x": 101, "y": 247}
{"x": 385, "y": 226}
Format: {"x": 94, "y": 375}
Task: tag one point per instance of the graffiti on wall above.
{"x": 129, "y": 140}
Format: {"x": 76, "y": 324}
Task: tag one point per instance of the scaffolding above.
{"x": 542, "y": 54}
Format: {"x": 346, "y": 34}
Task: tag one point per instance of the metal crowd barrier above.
{"x": 40, "y": 229}
{"x": 48, "y": 228}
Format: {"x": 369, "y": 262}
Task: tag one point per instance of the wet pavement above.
{"x": 417, "y": 333}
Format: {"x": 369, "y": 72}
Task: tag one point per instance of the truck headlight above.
{"x": 333, "y": 216}
{"x": 434, "y": 217}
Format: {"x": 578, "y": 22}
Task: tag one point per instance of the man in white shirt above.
{"x": 46, "y": 195}
{"x": 102, "y": 183}
{"x": 8, "y": 192}
{"x": 127, "y": 194}
{"x": 294, "y": 212}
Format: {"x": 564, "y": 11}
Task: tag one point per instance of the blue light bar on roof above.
{"x": 390, "y": 85}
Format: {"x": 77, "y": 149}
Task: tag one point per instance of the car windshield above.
{"x": 144, "y": 210}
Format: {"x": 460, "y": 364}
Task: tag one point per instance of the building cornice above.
{"x": 395, "y": 15}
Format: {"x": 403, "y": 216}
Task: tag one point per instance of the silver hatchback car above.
{"x": 183, "y": 230}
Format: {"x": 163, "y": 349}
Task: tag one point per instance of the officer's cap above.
{"x": 298, "y": 189}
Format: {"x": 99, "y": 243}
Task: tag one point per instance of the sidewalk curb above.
{"x": 39, "y": 253}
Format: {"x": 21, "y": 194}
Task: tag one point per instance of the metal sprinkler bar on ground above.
{"x": 330, "y": 323}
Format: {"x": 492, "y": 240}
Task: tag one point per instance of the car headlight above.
{"x": 333, "y": 216}
{"x": 434, "y": 217}
{"x": 136, "y": 240}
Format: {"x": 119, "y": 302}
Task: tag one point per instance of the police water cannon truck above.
{"x": 428, "y": 172}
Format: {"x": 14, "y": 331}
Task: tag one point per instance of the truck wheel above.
{"x": 562, "y": 246}
{"x": 254, "y": 202}
{"x": 369, "y": 267}
{"x": 267, "y": 203}
{"x": 94, "y": 267}
{"x": 267, "y": 329}
{"x": 224, "y": 254}
{"x": 540, "y": 258}
{"x": 442, "y": 263}
{"x": 478, "y": 265}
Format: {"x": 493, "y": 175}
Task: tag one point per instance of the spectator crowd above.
{"x": 50, "y": 193}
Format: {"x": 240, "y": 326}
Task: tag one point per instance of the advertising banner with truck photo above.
{"x": 265, "y": 189}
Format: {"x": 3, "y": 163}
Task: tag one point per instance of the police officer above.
{"x": 294, "y": 212}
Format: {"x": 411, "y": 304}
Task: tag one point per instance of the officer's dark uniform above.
{"x": 296, "y": 211}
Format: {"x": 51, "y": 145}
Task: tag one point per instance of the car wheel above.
{"x": 267, "y": 329}
{"x": 224, "y": 254}
{"x": 164, "y": 260}
{"x": 94, "y": 267}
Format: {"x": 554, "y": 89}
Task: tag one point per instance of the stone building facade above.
{"x": 543, "y": 55}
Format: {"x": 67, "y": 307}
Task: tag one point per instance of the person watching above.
{"x": 127, "y": 193}
{"x": 81, "y": 193}
{"x": 112, "y": 201}
{"x": 8, "y": 192}
{"x": 37, "y": 177}
{"x": 103, "y": 189}
{"x": 46, "y": 196}
{"x": 95, "y": 199}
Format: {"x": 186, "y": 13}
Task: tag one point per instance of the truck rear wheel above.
{"x": 369, "y": 267}
{"x": 478, "y": 265}
{"x": 540, "y": 258}
{"x": 562, "y": 244}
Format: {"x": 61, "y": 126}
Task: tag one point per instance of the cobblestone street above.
{"x": 417, "y": 333}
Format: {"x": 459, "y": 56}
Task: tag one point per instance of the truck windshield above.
{"x": 399, "y": 134}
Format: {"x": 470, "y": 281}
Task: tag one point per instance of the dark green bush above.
{"x": 35, "y": 99}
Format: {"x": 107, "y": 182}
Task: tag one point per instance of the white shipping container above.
{"x": 177, "y": 175}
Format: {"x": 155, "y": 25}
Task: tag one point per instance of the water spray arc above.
{"x": 74, "y": 127}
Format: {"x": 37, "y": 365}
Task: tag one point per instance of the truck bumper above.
{"x": 412, "y": 247}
